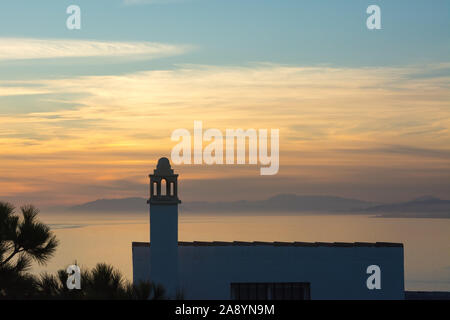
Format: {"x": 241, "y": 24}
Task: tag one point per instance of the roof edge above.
{"x": 279, "y": 244}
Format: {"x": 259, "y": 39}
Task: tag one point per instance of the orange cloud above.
{"x": 117, "y": 126}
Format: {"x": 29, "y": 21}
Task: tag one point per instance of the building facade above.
{"x": 259, "y": 270}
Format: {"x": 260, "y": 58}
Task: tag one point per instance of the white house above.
{"x": 259, "y": 270}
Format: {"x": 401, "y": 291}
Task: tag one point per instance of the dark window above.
{"x": 271, "y": 291}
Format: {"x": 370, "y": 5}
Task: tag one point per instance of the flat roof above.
{"x": 278, "y": 244}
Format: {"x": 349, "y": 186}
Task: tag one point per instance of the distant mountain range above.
{"x": 284, "y": 203}
{"x": 424, "y": 207}
{"x": 112, "y": 205}
{"x": 429, "y": 207}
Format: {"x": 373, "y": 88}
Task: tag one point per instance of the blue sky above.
{"x": 238, "y": 32}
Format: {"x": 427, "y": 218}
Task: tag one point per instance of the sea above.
{"x": 90, "y": 238}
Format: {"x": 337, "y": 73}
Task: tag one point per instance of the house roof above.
{"x": 279, "y": 244}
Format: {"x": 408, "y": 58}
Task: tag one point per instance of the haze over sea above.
{"x": 91, "y": 238}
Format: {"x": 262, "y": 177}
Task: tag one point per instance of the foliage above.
{"x": 103, "y": 282}
{"x": 24, "y": 240}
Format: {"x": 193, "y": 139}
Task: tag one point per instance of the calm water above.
{"x": 89, "y": 240}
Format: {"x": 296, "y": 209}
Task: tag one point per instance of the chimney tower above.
{"x": 164, "y": 226}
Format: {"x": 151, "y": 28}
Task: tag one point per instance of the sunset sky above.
{"x": 85, "y": 114}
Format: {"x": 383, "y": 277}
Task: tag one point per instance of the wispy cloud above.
{"x": 340, "y": 128}
{"x": 20, "y": 91}
{"x": 31, "y": 48}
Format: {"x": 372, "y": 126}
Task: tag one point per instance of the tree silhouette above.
{"x": 22, "y": 240}
{"x": 103, "y": 282}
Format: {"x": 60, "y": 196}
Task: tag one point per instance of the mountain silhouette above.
{"x": 279, "y": 203}
{"x": 282, "y": 203}
{"x": 423, "y": 207}
{"x": 113, "y": 205}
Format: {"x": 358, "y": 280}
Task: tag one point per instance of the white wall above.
{"x": 141, "y": 263}
{"x": 205, "y": 272}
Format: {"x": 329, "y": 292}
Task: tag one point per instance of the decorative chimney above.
{"x": 163, "y": 184}
{"x": 164, "y": 226}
